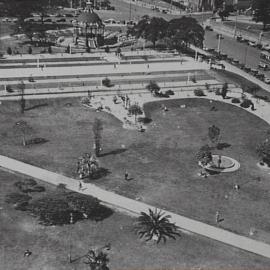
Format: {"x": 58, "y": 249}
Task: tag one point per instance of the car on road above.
{"x": 252, "y": 44}
{"x": 208, "y": 28}
{"x": 239, "y": 38}
{"x": 263, "y": 66}
{"x": 61, "y": 20}
{"x": 247, "y": 69}
{"x": 267, "y": 80}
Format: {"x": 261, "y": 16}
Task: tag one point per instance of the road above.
{"x": 240, "y": 51}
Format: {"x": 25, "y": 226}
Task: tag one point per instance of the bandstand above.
{"x": 89, "y": 30}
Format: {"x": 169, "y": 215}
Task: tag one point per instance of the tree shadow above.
{"x": 36, "y": 106}
{"x": 113, "y": 152}
{"x": 144, "y": 120}
{"x": 101, "y": 172}
{"x": 223, "y": 145}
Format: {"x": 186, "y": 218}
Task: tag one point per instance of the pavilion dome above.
{"x": 90, "y": 18}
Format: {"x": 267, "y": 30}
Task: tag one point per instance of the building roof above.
{"x": 89, "y": 17}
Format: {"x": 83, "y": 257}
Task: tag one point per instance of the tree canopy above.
{"x": 180, "y": 32}
{"x": 261, "y": 12}
{"x": 152, "y": 29}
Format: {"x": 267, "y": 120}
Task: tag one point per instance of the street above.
{"x": 241, "y": 51}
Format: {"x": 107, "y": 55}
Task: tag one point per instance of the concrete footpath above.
{"x": 135, "y": 207}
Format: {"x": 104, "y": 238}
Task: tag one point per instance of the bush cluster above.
{"x": 107, "y": 82}
{"x": 29, "y": 185}
{"x": 235, "y": 100}
{"x": 199, "y": 93}
{"x": 246, "y": 103}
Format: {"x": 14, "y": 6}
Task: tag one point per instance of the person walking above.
{"x": 80, "y": 185}
{"x": 217, "y": 217}
{"x": 126, "y": 176}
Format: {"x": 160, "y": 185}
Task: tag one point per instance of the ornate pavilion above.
{"x": 89, "y": 30}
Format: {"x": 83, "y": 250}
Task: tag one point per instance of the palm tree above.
{"x": 156, "y": 226}
{"x": 97, "y": 260}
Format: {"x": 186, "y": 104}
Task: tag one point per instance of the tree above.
{"x": 263, "y": 150}
{"x": 9, "y": 51}
{"x": 152, "y": 29}
{"x": 23, "y": 129}
{"x": 224, "y": 90}
{"x": 204, "y": 155}
{"x": 30, "y": 50}
{"x": 87, "y": 166}
{"x": 156, "y": 226}
{"x": 261, "y": 12}
{"x": 214, "y": 134}
{"x": 153, "y": 87}
{"x": 135, "y": 110}
{"x": 21, "y": 87}
{"x": 224, "y": 13}
{"x": 97, "y": 129}
{"x": 185, "y": 31}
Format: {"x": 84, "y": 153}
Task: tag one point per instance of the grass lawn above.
{"x": 50, "y": 245}
{"x": 161, "y": 161}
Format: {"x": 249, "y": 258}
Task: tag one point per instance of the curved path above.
{"x": 135, "y": 207}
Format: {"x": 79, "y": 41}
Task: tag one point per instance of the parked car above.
{"x": 263, "y": 66}
{"x": 208, "y": 28}
{"x": 254, "y": 72}
{"x": 169, "y": 92}
{"x": 247, "y": 69}
{"x": 48, "y": 20}
{"x": 61, "y": 20}
{"x": 69, "y": 15}
{"x": 239, "y": 38}
{"x": 252, "y": 43}
{"x": 267, "y": 80}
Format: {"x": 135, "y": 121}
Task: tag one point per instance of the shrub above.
{"x": 56, "y": 209}
{"x": 106, "y": 82}
{"x": 263, "y": 151}
{"x": 218, "y": 92}
{"x": 199, "y": 93}
{"x": 9, "y": 51}
{"x": 61, "y": 186}
{"x": 107, "y": 49}
{"x": 235, "y": 100}
{"x": 193, "y": 79}
{"x": 30, "y": 50}
{"x": 9, "y": 88}
{"x": 35, "y": 141}
{"x": 153, "y": 87}
{"x": 17, "y": 198}
{"x": 246, "y": 103}
{"x": 88, "y": 49}
{"x": 29, "y": 185}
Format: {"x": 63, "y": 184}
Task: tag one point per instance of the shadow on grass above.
{"x": 102, "y": 172}
{"x": 36, "y": 106}
{"x": 113, "y": 152}
{"x": 223, "y": 145}
{"x": 144, "y": 120}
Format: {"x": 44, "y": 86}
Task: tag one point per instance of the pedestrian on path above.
{"x": 80, "y": 185}
{"x": 126, "y": 176}
{"x": 217, "y": 217}
{"x": 27, "y": 253}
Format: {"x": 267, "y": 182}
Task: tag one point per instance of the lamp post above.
{"x": 70, "y": 243}
{"x": 235, "y": 25}
{"x": 219, "y": 41}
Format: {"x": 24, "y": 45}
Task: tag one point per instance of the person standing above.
{"x": 126, "y": 175}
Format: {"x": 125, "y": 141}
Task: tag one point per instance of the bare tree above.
{"x": 23, "y": 129}
{"x": 97, "y": 129}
